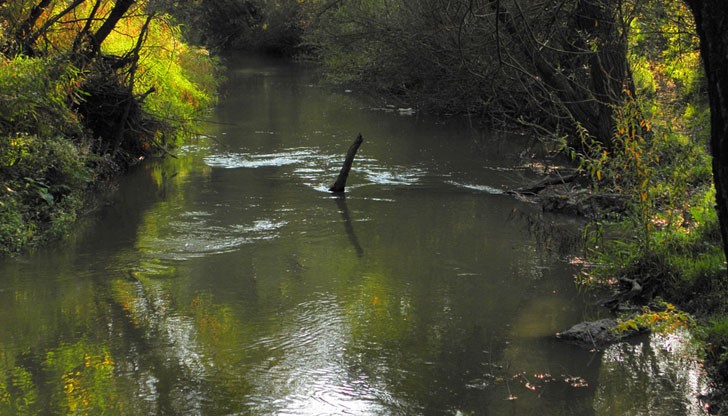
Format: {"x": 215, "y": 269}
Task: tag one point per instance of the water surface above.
{"x": 229, "y": 281}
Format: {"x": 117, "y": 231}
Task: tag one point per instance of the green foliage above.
{"x": 35, "y": 94}
{"x": 662, "y": 39}
{"x": 670, "y": 231}
{"x": 715, "y": 336}
{"x": 67, "y": 114}
{"x": 42, "y": 189}
{"x": 663, "y": 318}
{"x": 660, "y": 163}
{"x": 184, "y": 78}
{"x": 43, "y": 169}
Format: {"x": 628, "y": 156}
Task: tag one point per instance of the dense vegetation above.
{"x": 86, "y": 90}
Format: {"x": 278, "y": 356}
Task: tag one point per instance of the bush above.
{"x": 61, "y": 127}
{"x": 716, "y": 339}
{"x": 42, "y": 190}
{"x": 35, "y": 94}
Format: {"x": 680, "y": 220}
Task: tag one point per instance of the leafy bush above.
{"x": 660, "y": 162}
{"x": 42, "y": 191}
{"x": 35, "y": 94}
{"x": 183, "y": 78}
{"x": 66, "y": 110}
{"x": 670, "y": 233}
{"x": 716, "y": 339}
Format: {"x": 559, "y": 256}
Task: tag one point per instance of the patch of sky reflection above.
{"x": 662, "y": 374}
{"x": 176, "y": 335}
{"x": 308, "y": 373}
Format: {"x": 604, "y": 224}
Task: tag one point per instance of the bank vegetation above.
{"x": 87, "y": 89}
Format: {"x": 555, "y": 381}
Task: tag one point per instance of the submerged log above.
{"x": 340, "y": 183}
{"x": 596, "y": 334}
{"x": 550, "y": 180}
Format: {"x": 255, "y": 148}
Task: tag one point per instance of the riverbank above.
{"x": 668, "y": 278}
{"x": 74, "y": 115}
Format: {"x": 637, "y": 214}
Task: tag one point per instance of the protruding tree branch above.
{"x": 340, "y": 183}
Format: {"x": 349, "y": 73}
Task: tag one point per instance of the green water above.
{"x": 228, "y": 281}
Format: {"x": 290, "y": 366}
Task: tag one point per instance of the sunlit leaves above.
{"x": 34, "y": 96}
{"x": 182, "y": 76}
{"x": 665, "y": 319}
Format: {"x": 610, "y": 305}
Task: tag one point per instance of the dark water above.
{"x": 228, "y": 281}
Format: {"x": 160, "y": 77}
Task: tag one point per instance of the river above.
{"x": 228, "y": 280}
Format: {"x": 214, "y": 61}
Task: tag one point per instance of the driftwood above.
{"x": 596, "y": 334}
{"x": 340, "y": 183}
{"x": 563, "y": 193}
{"x": 630, "y": 293}
{"x": 550, "y": 180}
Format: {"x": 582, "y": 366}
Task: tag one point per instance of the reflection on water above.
{"x": 229, "y": 281}
{"x": 664, "y": 368}
{"x": 193, "y": 236}
{"x": 243, "y": 160}
{"x": 308, "y": 373}
{"x": 482, "y": 188}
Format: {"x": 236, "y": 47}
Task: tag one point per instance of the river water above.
{"x": 229, "y": 281}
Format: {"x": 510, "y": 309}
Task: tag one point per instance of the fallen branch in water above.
{"x": 550, "y": 180}
{"x": 340, "y": 183}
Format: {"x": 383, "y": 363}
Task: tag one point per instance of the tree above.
{"x": 711, "y": 22}
{"x": 577, "y": 62}
{"x": 557, "y": 65}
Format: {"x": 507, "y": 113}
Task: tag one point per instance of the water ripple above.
{"x": 307, "y": 372}
{"x": 194, "y": 236}
{"x": 481, "y": 188}
{"x": 230, "y": 160}
{"x": 318, "y": 169}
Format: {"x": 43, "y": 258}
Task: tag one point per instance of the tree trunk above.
{"x": 596, "y": 37}
{"x": 340, "y": 183}
{"x": 711, "y": 22}
{"x": 608, "y": 65}
{"x": 117, "y": 13}
{"x": 26, "y": 28}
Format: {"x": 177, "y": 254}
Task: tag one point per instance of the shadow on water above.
{"x": 348, "y": 226}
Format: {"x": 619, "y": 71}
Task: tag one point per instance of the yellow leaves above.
{"x": 667, "y": 320}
